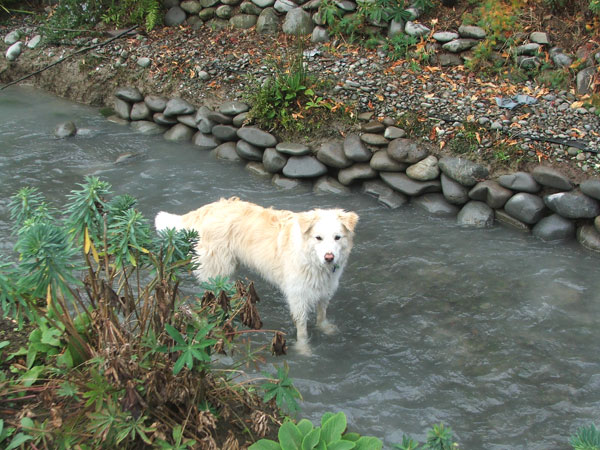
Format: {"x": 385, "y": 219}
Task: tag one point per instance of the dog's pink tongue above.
{"x": 329, "y": 257}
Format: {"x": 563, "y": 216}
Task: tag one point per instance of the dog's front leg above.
{"x": 300, "y": 318}
{"x": 322, "y": 323}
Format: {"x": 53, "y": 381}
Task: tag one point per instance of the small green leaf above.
{"x": 340, "y": 445}
{"x": 351, "y": 437}
{"x": 32, "y": 375}
{"x": 311, "y": 439}
{"x": 368, "y": 443}
{"x": 20, "y": 438}
{"x": 305, "y": 426}
{"x": 333, "y": 428}
{"x": 265, "y": 444}
{"x": 289, "y": 436}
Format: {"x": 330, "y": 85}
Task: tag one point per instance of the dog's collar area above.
{"x": 335, "y": 267}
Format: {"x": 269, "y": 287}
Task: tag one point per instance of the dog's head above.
{"x": 329, "y": 234}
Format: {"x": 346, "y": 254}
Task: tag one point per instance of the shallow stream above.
{"x": 488, "y": 331}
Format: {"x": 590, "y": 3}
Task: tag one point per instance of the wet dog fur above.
{"x": 302, "y": 253}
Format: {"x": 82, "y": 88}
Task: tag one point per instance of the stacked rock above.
{"x": 395, "y": 170}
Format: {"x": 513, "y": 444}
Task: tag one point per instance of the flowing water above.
{"x": 489, "y": 331}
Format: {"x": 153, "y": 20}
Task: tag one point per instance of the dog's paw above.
{"x": 303, "y": 348}
{"x": 328, "y": 328}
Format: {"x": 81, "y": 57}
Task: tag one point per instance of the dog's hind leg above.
{"x": 213, "y": 263}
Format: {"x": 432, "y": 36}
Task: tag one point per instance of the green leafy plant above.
{"x": 439, "y": 437}
{"x": 399, "y": 46}
{"x": 586, "y": 438}
{"x": 114, "y": 353}
{"x": 282, "y": 390}
{"x": 331, "y": 434}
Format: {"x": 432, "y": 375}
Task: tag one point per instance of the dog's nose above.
{"x": 329, "y": 257}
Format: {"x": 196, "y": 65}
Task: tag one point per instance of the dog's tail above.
{"x": 165, "y": 220}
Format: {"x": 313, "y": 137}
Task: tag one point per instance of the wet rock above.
{"x": 161, "y": 119}
{"x": 392, "y": 199}
{"x": 129, "y": 94}
{"x": 591, "y": 188}
{"x": 471, "y": 31}
{"x": 332, "y": 154}
{"x": 187, "y": 119}
{"x": 402, "y": 183}
{"x": 257, "y": 169}
{"x": 491, "y": 192}
{"x": 293, "y": 148}
{"x": 372, "y": 127}
{"x": 463, "y": 171}
{"x": 256, "y": 136}
{"x": 283, "y": 6}
{"x": 373, "y": 139}
{"x": 179, "y": 133}
{"x": 233, "y": 108}
{"x": 392, "y": 132}
{"x": 297, "y": 22}
{"x": 178, "y": 107}
{"x": 476, "y": 214}
{"x": 243, "y": 21}
{"x": 156, "y": 103}
{"x": 455, "y": 193}
{"x": 589, "y": 237}
{"x": 584, "y": 80}
{"x": 122, "y": 108}
{"x": 539, "y": 37}
{"x": 425, "y": 170}
{"x": 64, "y": 130}
{"x": 519, "y": 181}
{"x": 13, "y": 52}
{"x": 435, "y": 204}
{"x": 506, "y": 219}
{"x": 205, "y": 141}
{"x": 12, "y": 37}
{"x": 415, "y": 29}
{"x": 144, "y": 62}
{"x": 140, "y": 111}
{"x": 527, "y": 208}
{"x": 218, "y": 117}
{"x": 175, "y": 16}
{"x": 203, "y": 121}
{"x": 273, "y": 160}
{"x": 381, "y": 161}
{"x": 358, "y": 171}
{"x": 239, "y": 120}
{"x": 547, "y": 176}
{"x": 147, "y": 127}
{"x": 329, "y": 185}
{"x": 304, "y": 167}
{"x": 375, "y": 188}
{"x": 191, "y": 7}
{"x": 355, "y": 150}
{"x": 553, "y": 228}
{"x": 459, "y": 45}
{"x": 445, "y": 36}
{"x": 250, "y": 8}
{"x": 227, "y": 152}
{"x": 286, "y": 183}
{"x": 225, "y": 132}
{"x": 573, "y": 205}
{"x": 249, "y": 151}
{"x": 319, "y": 35}
{"x": 268, "y": 21}
{"x": 406, "y": 151}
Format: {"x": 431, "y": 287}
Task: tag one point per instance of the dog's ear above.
{"x": 349, "y": 219}
{"x": 306, "y": 220}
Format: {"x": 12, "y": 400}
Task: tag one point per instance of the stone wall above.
{"x": 383, "y": 163}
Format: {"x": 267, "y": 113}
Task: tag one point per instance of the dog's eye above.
{"x": 337, "y": 237}
{"x": 319, "y": 238}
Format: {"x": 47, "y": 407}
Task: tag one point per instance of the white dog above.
{"x": 303, "y": 254}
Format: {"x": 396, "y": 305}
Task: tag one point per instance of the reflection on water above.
{"x": 488, "y": 331}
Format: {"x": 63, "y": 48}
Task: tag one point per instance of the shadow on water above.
{"x": 489, "y": 331}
